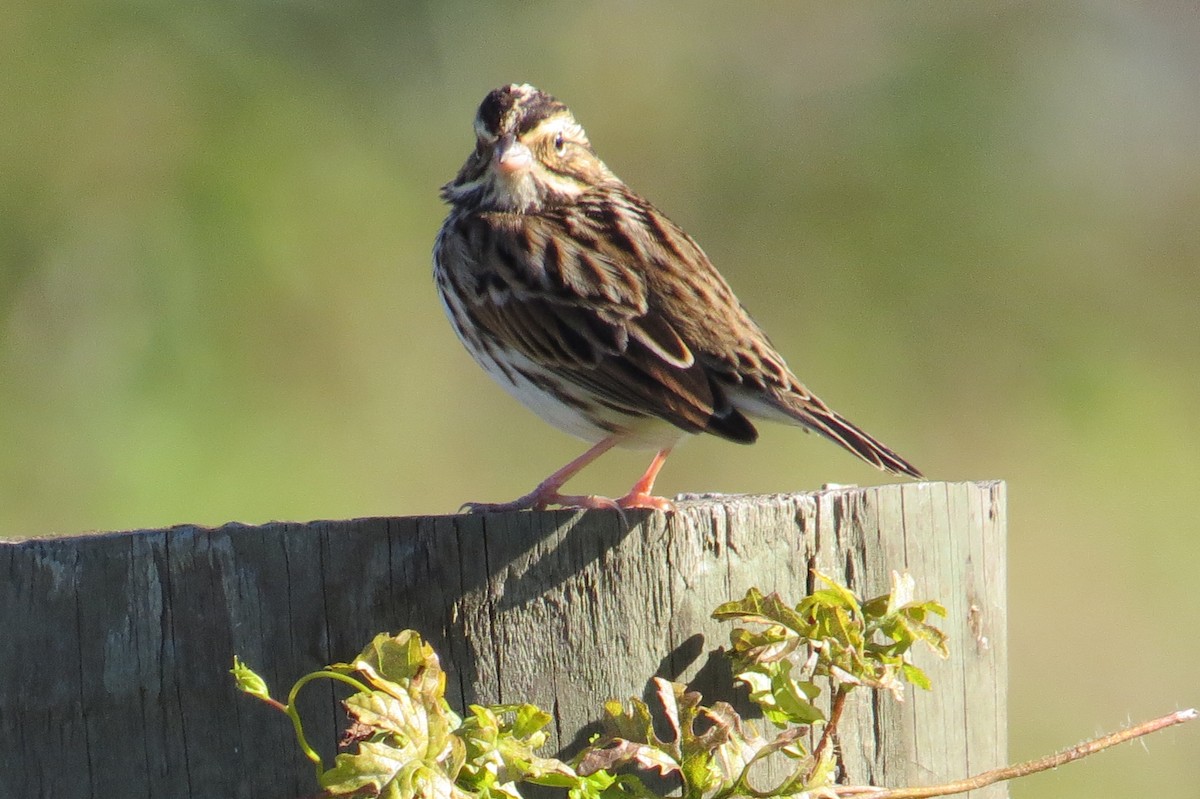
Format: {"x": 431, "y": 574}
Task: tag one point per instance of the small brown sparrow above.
{"x": 598, "y": 312}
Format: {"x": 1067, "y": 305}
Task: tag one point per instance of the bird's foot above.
{"x": 644, "y": 500}
{"x": 540, "y": 499}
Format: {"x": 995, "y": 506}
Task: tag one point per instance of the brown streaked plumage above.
{"x": 590, "y": 306}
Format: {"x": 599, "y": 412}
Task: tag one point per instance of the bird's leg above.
{"x": 547, "y": 491}
{"x": 640, "y": 497}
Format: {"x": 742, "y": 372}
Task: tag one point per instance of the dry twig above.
{"x": 987, "y": 778}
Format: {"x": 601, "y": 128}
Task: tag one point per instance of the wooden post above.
{"x": 115, "y": 650}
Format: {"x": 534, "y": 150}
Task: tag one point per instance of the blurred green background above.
{"x": 973, "y": 228}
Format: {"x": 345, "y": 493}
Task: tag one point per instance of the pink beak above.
{"x": 512, "y": 157}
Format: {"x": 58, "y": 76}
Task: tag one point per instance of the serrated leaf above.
{"x": 622, "y": 752}
{"x": 876, "y": 607}
{"x": 750, "y": 647}
{"x": 411, "y": 745}
{"x": 425, "y": 783}
{"x": 836, "y": 593}
{"x": 501, "y": 743}
{"x": 692, "y": 749}
{"x": 372, "y": 767}
{"x": 384, "y": 712}
{"x": 592, "y": 786}
{"x": 756, "y": 608}
{"x": 528, "y": 720}
{"x": 677, "y": 708}
{"x": 390, "y": 662}
{"x": 832, "y": 620}
{"x": 631, "y": 740}
{"x": 713, "y": 749}
{"x": 916, "y": 676}
{"x": 631, "y": 722}
{"x": 783, "y": 699}
{"x": 931, "y": 636}
{"x": 742, "y": 744}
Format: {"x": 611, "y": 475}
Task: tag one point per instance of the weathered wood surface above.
{"x": 115, "y": 650}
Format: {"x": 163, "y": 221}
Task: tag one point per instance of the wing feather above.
{"x": 588, "y": 317}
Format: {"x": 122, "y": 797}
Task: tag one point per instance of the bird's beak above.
{"x": 511, "y": 157}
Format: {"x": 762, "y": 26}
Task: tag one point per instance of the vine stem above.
{"x": 294, "y": 714}
{"x": 827, "y": 734}
{"x": 986, "y": 778}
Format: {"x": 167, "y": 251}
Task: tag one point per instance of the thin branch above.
{"x": 1021, "y": 769}
{"x": 827, "y": 734}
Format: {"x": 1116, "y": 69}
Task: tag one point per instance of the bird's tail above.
{"x": 820, "y": 418}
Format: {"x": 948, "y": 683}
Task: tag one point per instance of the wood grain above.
{"x": 116, "y": 647}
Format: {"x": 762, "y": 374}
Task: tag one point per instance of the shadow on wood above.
{"x": 114, "y": 665}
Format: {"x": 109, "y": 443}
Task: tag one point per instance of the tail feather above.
{"x": 800, "y": 406}
{"x": 841, "y": 430}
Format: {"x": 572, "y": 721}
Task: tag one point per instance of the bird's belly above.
{"x": 564, "y": 406}
{"x": 572, "y": 409}
{"x": 569, "y": 407}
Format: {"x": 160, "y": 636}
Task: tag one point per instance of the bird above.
{"x": 595, "y": 310}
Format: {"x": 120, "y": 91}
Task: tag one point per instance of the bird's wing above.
{"x": 687, "y": 294}
{"x": 565, "y": 294}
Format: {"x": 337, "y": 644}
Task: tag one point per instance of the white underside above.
{"x": 646, "y": 432}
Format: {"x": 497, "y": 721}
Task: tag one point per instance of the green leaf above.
{"x": 410, "y": 743}
{"x": 372, "y": 767}
{"x": 918, "y": 630}
{"x": 593, "y": 786}
{"x": 822, "y": 773}
{"x": 712, "y": 752}
{"x": 632, "y": 723}
{"x": 390, "y": 661}
{"x": 528, "y": 720}
{"x": 500, "y": 744}
{"x": 916, "y": 676}
{"x": 604, "y": 785}
{"x": 783, "y": 699}
{"x": 839, "y": 594}
{"x": 831, "y": 633}
{"x": 750, "y": 648}
{"x": 614, "y": 753}
{"x": 877, "y": 607}
{"x": 754, "y": 608}
{"x": 384, "y": 712}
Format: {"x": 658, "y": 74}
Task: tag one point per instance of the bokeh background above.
{"x": 973, "y": 227}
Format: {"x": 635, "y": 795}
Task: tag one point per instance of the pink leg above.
{"x": 640, "y": 497}
{"x": 547, "y": 491}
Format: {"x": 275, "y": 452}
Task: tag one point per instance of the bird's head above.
{"x": 530, "y": 153}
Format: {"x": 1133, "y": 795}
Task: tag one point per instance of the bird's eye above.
{"x": 560, "y": 144}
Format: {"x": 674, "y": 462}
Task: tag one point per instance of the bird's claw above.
{"x": 634, "y": 500}
{"x": 641, "y": 500}
{"x": 540, "y": 500}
